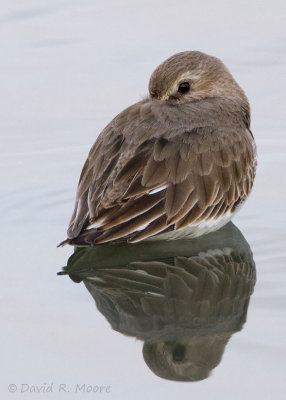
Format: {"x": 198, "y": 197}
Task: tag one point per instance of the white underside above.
{"x": 191, "y": 231}
{"x": 196, "y": 229}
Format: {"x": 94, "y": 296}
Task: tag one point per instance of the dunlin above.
{"x": 178, "y": 164}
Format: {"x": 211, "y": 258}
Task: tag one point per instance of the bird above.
{"x": 177, "y": 164}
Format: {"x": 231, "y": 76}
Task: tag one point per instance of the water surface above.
{"x": 67, "y": 68}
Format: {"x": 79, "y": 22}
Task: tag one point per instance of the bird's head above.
{"x": 191, "y": 76}
{"x": 187, "y": 358}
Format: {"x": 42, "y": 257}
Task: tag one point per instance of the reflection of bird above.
{"x": 177, "y": 164}
{"x": 187, "y": 358}
{"x": 184, "y": 299}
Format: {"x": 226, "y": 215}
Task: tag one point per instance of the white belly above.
{"x": 195, "y": 229}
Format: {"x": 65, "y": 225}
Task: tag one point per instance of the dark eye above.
{"x": 179, "y": 352}
{"x": 184, "y": 87}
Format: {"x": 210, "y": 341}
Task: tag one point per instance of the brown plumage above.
{"x": 176, "y": 164}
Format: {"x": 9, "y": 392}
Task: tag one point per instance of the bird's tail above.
{"x": 86, "y": 238}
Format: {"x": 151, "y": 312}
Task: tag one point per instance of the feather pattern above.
{"x": 205, "y": 171}
{"x": 171, "y": 161}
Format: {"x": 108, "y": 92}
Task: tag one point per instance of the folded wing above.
{"x": 148, "y": 174}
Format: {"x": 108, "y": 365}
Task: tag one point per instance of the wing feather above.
{"x": 149, "y": 172}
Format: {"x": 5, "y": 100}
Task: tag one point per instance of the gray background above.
{"x": 67, "y": 67}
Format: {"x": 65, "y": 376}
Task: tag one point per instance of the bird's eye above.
{"x": 179, "y": 352}
{"x": 184, "y": 87}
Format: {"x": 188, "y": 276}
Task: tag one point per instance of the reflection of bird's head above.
{"x": 186, "y": 359}
{"x": 192, "y": 75}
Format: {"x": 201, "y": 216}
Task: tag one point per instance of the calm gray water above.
{"x": 67, "y": 68}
